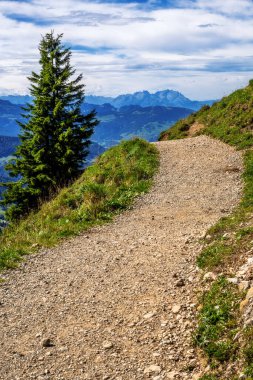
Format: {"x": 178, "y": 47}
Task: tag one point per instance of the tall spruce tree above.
{"x": 54, "y": 138}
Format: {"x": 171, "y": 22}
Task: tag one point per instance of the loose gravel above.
{"x": 119, "y": 301}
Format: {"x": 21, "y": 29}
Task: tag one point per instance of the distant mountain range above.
{"x": 166, "y": 98}
{"x": 17, "y": 99}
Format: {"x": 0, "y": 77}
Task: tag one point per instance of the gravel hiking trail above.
{"x": 118, "y": 302}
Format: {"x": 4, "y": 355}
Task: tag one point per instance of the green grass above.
{"x": 231, "y": 237}
{"x": 229, "y": 120}
{"x": 217, "y": 325}
{"x": 104, "y": 189}
{"x": 213, "y": 255}
{"x": 179, "y": 130}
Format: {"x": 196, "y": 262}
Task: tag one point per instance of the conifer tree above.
{"x": 54, "y": 138}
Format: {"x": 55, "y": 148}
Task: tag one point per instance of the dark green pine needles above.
{"x": 54, "y": 137}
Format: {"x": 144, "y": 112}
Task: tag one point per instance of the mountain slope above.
{"x": 17, "y": 99}
{"x": 9, "y": 114}
{"x": 8, "y": 145}
{"x": 118, "y": 301}
{"x": 129, "y": 121}
{"x": 230, "y": 120}
{"x": 7, "y": 148}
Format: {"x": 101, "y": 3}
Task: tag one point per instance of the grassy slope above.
{"x": 231, "y": 121}
{"x": 105, "y": 188}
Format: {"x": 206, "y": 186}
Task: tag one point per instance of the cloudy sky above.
{"x": 202, "y": 48}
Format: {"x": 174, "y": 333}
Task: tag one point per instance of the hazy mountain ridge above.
{"x": 165, "y": 98}
{"x": 17, "y": 99}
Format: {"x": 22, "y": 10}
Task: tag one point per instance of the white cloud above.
{"x": 198, "y": 49}
{"x": 236, "y": 8}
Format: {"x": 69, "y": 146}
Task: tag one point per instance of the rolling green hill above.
{"x": 230, "y": 120}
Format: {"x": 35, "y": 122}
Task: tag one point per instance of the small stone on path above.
{"x": 175, "y": 309}
{"x": 153, "y": 369}
{"x": 47, "y": 343}
{"x": 107, "y": 345}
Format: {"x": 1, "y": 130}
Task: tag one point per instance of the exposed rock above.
{"x": 244, "y": 285}
{"x": 47, "y": 342}
{"x": 180, "y": 283}
{"x": 243, "y": 304}
{"x": 149, "y": 315}
{"x": 172, "y": 375}
{"x": 249, "y": 294}
{"x": 107, "y": 345}
{"x": 248, "y": 322}
{"x": 209, "y": 276}
{"x": 232, "y": 280}
{"x": 176, "y": 308}
{"x": 153, "y": 369}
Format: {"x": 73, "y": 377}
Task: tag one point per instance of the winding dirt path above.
{"x": 118, "y": 302}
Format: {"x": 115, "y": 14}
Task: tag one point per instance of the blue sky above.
{"x": 202, "y": 48}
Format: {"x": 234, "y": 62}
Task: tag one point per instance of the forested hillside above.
{"x": 131, "y": 121}
{"x": 7, "y": 145}
{"x": 9, "y": 114}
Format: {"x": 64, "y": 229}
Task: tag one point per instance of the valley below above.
{"x": 141, "y": 114}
